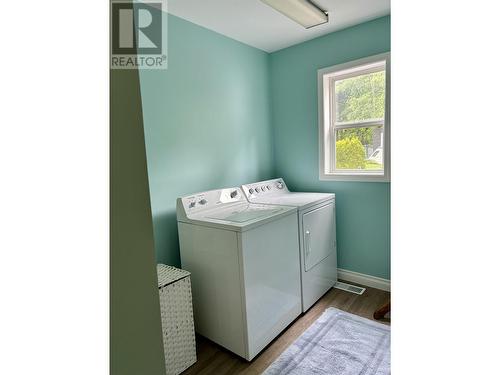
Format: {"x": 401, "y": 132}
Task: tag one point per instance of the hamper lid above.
{"x": 168, "y": 274}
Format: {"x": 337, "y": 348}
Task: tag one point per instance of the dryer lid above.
{"x": 276, "y": 192}
{"x": 294, "y": 199}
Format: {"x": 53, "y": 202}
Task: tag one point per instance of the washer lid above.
{"x": 243, "y": 214}
{"x": 239, "y": 217}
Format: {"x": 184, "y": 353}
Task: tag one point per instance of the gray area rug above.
{"x": 338, "y": 343}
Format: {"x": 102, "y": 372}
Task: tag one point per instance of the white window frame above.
{"x": 326, "y": 128}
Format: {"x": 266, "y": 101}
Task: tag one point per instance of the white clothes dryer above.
{"x": 317, "y": 233}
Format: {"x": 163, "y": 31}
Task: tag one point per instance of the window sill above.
{"x": 354, "y": 177}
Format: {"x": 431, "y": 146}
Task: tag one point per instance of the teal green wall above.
{"x": 207, "y": 122}
{"x": 224, "y": 113}
{"x": 363, "y": 208}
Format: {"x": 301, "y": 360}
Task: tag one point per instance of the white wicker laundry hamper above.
{"x": 176, "y": 318}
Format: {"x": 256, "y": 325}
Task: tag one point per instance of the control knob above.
{"x": 250, "y": 190}
{"x": 203, "y": 201}
{"x": 279, "y": 185}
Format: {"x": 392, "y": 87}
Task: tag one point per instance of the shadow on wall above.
{"x": 207, "y": 122}
{"x": 230, "y": 175}
{"x": 165, "y": 232}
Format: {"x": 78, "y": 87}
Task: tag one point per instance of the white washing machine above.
{"x": 244, "y": 264}
{"x": 317, "y": 233}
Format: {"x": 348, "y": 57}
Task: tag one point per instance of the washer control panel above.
{"x": 209, "y": 199}
{"x": 276, "y": 186}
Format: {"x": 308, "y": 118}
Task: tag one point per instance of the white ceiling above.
{"x": 255, "y": 23}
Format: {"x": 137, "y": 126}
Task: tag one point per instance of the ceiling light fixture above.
{"x": 303, "y": 12}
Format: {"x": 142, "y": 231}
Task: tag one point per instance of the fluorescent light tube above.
{"x": 301, "y": 11}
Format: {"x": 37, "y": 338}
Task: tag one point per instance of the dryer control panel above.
{"x": 257, "y": 189}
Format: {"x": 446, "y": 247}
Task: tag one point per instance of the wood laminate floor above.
{"x": 215, "y": 360}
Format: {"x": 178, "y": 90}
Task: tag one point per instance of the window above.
{"x": 354, "y": 120}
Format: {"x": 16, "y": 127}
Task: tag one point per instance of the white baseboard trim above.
{"x": 367, "y": 280}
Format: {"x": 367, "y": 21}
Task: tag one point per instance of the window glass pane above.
{"x": 360, "y": 98}
{"x": 360, "y": 148}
